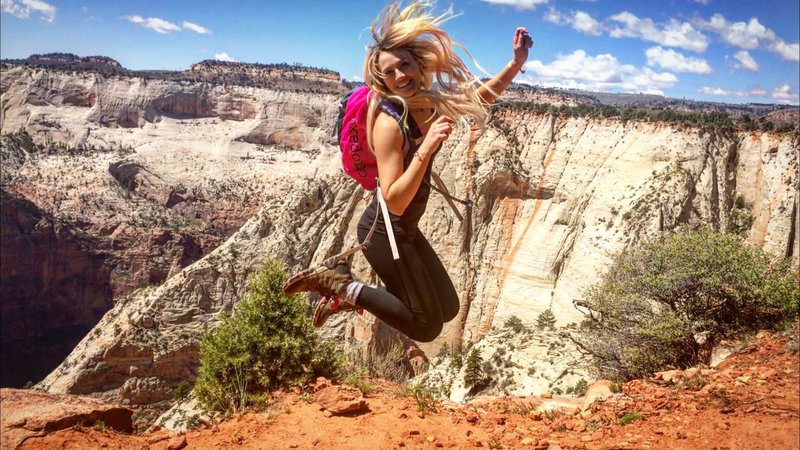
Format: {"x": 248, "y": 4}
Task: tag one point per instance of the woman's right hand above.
{"x": 438, "y": 132}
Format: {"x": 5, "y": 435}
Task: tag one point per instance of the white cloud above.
{"x": 586, "y": 24}
{"x": 755, "y": 91}
{"x": 223, "y": 57}
{"x": 750, "y": 35}
{"x": 672, "y": 60}
{"x": 702, "y": 2}
{"x": 783, "y": 93}
{"x": 23, "y": 8}
{"x": 746, "y": 62}
{"x": 789, "y": 52}
{"x": 519, "y": 4}
{"x": 601, "y": 72}
{"x": 580, "y": 21}
{"x": 196, "y": 28}
{"x": 739, "y": 34}
{"x": 673, "y": 34}
{"x": 154, "y": 23}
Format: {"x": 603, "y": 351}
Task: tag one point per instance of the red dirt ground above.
{"x": 751, "y": 401}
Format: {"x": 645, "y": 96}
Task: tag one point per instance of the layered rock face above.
{"x": 102, "y": 193}
{"x": 556, "y": 198}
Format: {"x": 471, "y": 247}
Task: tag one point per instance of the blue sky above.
{"x": 734, "y": 51}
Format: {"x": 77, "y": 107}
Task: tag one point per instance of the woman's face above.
{"x": 400, "y": 71}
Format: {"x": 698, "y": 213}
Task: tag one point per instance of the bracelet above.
{"x": 512, "y": 65}
{"x": 419, "y": 157}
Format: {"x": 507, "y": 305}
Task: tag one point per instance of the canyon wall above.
{"x": 112, "y": 184}
{"x": 556, "y": 197}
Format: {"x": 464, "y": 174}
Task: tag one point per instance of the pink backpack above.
{"x": 359, "y": 163}
{"x": 357, "y": 159}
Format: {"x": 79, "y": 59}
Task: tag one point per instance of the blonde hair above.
{"x": 415, "y": 29}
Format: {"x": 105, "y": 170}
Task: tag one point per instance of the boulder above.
{"x": 27, "y": 413}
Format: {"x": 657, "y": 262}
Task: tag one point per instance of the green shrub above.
{"x": 515, "y": 323}
{"x": 426, "y": 398}
{"x": 666, "y": 303}
{"x": 579, "y": 389}
{"x": 474, "y": 376}
{"x": 630, "y": 417}
{"x": 181, "y": 390}
{"x": 546, "y": 320}
{"x": 740, "y": 222}
{"x": 267, "y": 343}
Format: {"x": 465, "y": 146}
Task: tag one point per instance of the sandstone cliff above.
{"x": 555, "y": 198}
{"x": 101, "y": 196}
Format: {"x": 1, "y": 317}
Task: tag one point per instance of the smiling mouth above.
{"x": 404, "y": 85}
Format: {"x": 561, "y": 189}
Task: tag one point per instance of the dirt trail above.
{"x": 751, "y": 401}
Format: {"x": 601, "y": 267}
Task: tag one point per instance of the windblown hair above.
{"x": 415, "y": 29}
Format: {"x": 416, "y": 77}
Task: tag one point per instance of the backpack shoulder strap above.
{"x": 391, "y": 109}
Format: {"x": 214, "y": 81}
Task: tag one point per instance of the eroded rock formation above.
{"x": 556, "y": 197}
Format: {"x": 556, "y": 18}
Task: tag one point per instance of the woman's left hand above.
{"x": 522, "y": 42}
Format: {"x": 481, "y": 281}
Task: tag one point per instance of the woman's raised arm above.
{"x": 494, "y": 87}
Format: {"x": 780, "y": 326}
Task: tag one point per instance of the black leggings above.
{"x": 419, "y": 296}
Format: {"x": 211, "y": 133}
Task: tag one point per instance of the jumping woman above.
{"x": 409, "y": 52}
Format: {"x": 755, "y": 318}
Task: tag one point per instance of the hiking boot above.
{"x": 328, "y": 279}
{"x": 328, "y": 307}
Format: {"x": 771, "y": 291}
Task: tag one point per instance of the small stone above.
{"x": 402, "y": 415}
{"x": 177, "y": 443}
{"x": 156, "y": 439}
{"x": 431, "y": 439}
{"x": 327, "y": 413}
{"x": 528, "y": 441}
{"x": 413, "y": 432}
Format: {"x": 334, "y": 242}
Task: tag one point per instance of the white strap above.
{"x": 388, "y": 222}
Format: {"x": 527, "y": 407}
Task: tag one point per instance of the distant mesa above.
{"x": 277, "y": 76}
{"x": 102, "y": 64}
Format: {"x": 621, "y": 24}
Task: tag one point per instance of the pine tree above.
{"x": 473, "y": 376}
{"x": 546, "y": 320}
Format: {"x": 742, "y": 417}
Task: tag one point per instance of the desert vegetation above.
{"x": 667, "y": 303}
{"x": 718, "y": 120}
{"x": 267, "y": 343}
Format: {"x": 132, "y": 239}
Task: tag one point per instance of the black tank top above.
{"x": 404, "y": 225}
